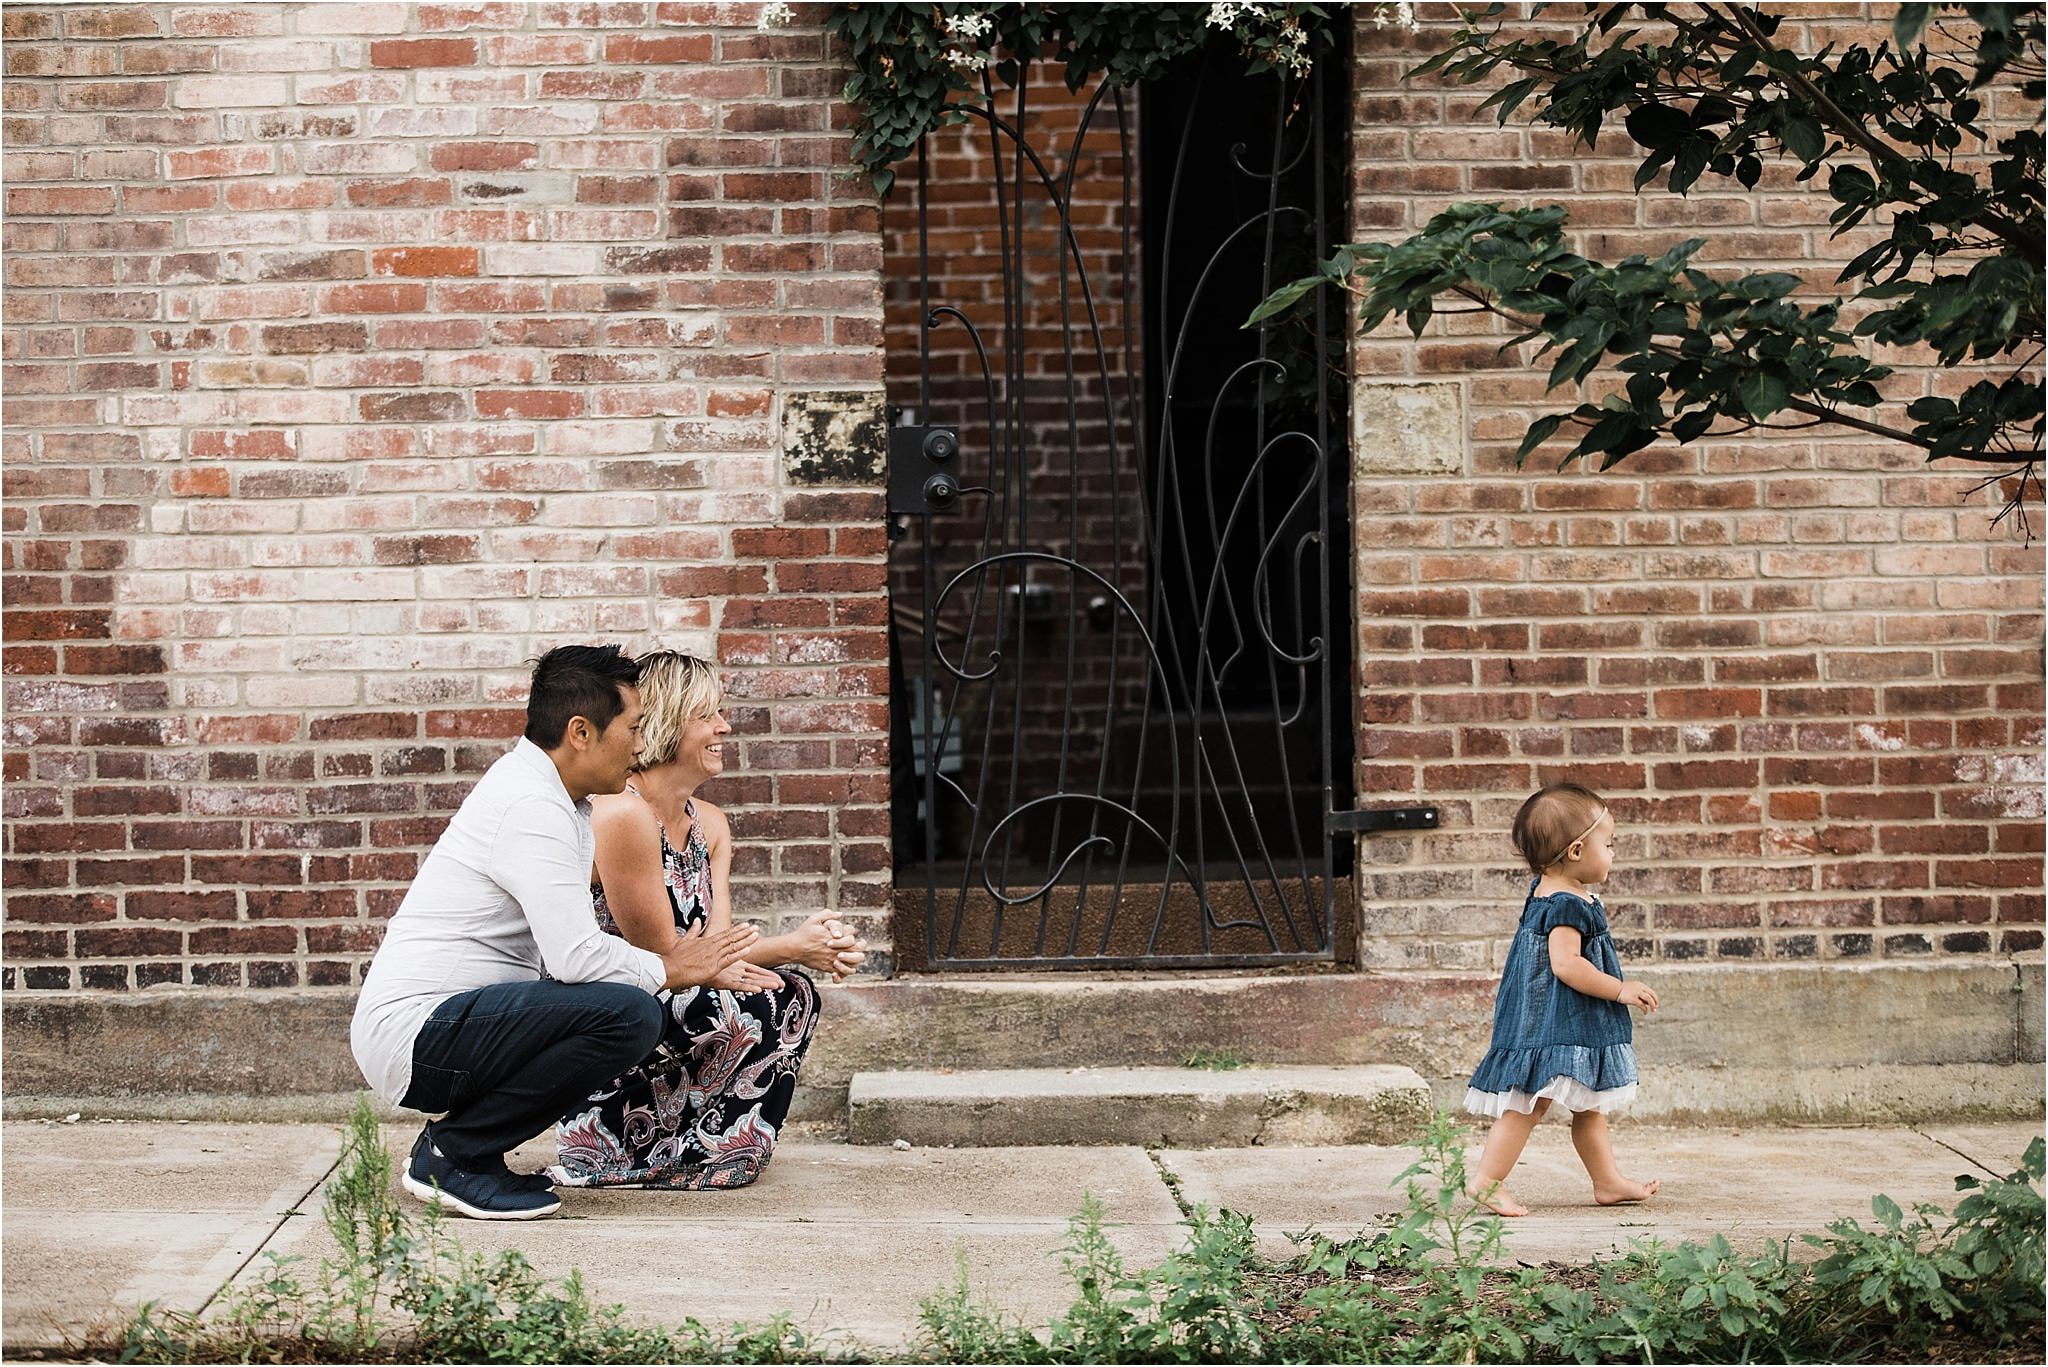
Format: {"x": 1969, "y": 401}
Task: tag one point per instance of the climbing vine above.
{"x": 914, "y": 65}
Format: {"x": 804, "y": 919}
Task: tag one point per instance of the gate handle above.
{"x": 1365, "y": 822}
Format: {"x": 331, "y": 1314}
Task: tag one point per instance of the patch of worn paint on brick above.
{"x": 834, "y": 436}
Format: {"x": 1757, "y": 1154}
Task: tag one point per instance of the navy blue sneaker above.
{"x": 501, "y": 1195}
{"x": 524, "y": 1181}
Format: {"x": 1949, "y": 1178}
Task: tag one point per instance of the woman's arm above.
{"x": 769, "y": 950}
{"x": 811, "y": 945}
{"x": 635, "y": 886}
{"x": 718, "y": 846}
{"x": 629, "y": 868}
{"x": 1576, "y": 971}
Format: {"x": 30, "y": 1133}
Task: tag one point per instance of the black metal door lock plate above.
{"x": 924, "y": 475}
{"x": 1384, "y": 819}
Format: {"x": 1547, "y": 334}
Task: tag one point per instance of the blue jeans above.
{"x": 506, "y": 1061}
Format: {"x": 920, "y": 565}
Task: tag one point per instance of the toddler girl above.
{"x": 1561, "y": 1028}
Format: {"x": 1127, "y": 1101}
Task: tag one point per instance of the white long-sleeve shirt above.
{"x": 504, "y": 896}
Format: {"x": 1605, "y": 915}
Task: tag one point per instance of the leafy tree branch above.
{"x": 1707, "y": 90}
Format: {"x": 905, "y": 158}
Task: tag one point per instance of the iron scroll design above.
{"x": 1162, "y": 786}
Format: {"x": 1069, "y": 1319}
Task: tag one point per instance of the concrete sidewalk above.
{"x": 848, "y": 1240}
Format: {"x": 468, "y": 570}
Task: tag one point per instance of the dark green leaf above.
{"x": 1713, "y": 109}
{"x": 1511, "y": 95}
{"x": 1613, "y": 428}
{"x": 1909, "y": 23}
{"x": 1762, "y": 393}
{"x": 1690, "y": 162}
{"x": 1658, "y": 127}
{"x": 1852, "y": 185}
{"x": 1539, "y": 432}
{"x": 1691, "y": 425}
{"x": 1804, "y": 137}
{"x": 1280, "y": 300}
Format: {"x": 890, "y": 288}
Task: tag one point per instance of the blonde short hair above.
{"x": 1552, "y": 820}
{"x": 675, "y": 690}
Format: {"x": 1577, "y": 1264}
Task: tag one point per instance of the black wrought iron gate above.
{"x": 1122, "y": 626}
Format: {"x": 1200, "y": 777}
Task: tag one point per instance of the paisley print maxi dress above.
{"x": 702, "y": 1111}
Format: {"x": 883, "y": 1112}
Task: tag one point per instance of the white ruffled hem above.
{"x": 1567, "y": 1092}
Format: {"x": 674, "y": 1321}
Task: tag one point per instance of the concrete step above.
{"x": 1181, "y": 1107}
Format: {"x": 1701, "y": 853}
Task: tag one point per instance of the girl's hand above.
{"x": 1637, "y": 995}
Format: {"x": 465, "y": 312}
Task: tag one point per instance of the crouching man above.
{"x": 495, "y": 1002}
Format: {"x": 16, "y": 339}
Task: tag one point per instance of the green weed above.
{"x": 955, "y": 1326}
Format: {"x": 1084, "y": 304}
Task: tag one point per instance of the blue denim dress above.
{"x": 1549, "y": 1040}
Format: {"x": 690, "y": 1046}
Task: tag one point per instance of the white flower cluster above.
{"x": 1246, "y": 20}
{"x": 966, "y": 32}
{"x": 1401, "y": 15}
{"x": 1227, "y": 16}
{"x": 1294, "y": 52}
{"x": 774, "y": 16}
{"x": 968, "y": 26}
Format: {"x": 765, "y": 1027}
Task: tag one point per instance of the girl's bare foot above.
{"x": 1494, "y": 1196}
{"x": 1623, "y": 1191}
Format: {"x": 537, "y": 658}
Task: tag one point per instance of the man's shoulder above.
{"x": 514, "y": 776}
{"x": 511, "y": 786}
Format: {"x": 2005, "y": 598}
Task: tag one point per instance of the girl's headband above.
{"x": 1580, "y": 836}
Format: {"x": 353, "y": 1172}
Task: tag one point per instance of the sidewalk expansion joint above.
{"x": 1969, "y": 1158}
{"x": 1171, "y": 1180}
{"x": 269, "y": 1234}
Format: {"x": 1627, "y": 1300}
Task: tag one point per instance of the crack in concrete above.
{"x": 268, "y": 1235}
{"x": 1969, "y": 1158}
{"x": 1171, "y": 1181}
{"x": 2019, "y": 1013}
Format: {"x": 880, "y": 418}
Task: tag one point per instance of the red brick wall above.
{"x": 357, "y": 354}
{"x": 1804, "y": 666}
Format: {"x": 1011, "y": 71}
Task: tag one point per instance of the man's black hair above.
{"x": 576, "y": 681}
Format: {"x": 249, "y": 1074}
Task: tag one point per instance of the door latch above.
{"x": 924, "y": 469}
{"x": 1382, "y": 819}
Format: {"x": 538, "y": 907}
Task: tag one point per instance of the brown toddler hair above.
{"x": 1551, "y": 820}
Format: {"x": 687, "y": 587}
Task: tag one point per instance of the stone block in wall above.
{"x": 1407, "y": 429}
{"x": 834, "y": 436}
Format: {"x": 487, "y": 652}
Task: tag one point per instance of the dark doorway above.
{"x": 1252, "y": 195}
{"x": 1122, "y": 652}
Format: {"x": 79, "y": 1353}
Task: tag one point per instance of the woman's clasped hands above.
{"x": 825, "y": 944}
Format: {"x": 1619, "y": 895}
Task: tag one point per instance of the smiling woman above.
{"x": 703, "y": 1110}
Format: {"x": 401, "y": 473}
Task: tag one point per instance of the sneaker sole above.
{"x": 434, "y": 1196}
